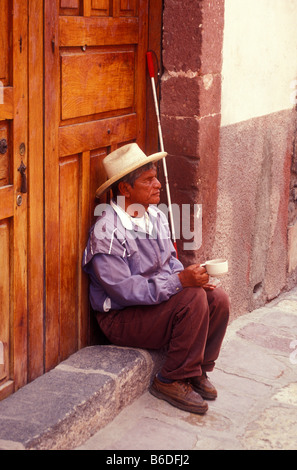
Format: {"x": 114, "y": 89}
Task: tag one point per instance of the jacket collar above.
{"x": 143, "y": 223}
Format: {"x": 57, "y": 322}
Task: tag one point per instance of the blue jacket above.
{"x": 130, "y": 264}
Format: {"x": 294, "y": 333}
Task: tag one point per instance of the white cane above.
{"x": 152, "y": 75}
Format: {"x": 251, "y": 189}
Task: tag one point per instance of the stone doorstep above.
{"x": 63, "y": 408}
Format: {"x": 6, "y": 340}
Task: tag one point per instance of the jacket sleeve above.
{"x": 125, "y": 289}
{"x": 175, "y": 264}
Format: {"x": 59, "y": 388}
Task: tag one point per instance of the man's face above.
{"x": 146, "y": 189}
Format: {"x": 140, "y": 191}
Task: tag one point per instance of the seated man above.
{"x": 142, "y": 294}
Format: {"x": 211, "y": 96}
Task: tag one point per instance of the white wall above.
{"x": 259, "y": 58}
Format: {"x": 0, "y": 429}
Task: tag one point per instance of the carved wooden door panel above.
{"x": 95, "y": 101}
{"x": 13, "y": 195}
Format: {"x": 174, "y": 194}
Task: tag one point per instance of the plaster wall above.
{"x": 255, "y": 152}
{"x": 259, "y": 58}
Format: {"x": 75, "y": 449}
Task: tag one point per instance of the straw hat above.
{"x": 124, "y": 160}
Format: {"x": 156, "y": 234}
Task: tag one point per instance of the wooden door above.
{"x": 95, "y": 101}
{"x": 13, "y": 195}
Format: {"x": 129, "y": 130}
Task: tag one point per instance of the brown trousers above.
{"x": 192, "y": 325}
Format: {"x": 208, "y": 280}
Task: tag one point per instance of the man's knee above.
{"x": 197, "y": 299}
{"x": 219, "y": 300}
{"x": 195, "y": 296}
{"x": 221, "y": 296}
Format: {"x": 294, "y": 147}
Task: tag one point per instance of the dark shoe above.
{"x": 202, "y": 385}
{"x": 179, "y": 394}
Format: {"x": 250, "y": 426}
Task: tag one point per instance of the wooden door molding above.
{"x": 36, "y": 193}
{"x": 20, "y": 140}
{"x": 51, "y": 188}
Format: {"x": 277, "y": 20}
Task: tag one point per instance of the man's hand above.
{"x": 195, "y": 276}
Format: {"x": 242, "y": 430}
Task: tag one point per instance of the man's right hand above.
{"x": 194, "y": 276}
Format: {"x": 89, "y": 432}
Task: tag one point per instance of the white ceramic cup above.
{"x": 215, "y": 267}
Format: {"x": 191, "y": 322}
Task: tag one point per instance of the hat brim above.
{"x": 152, "y": 158}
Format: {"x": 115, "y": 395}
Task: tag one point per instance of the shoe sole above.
{"x": 182, "y": 406}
